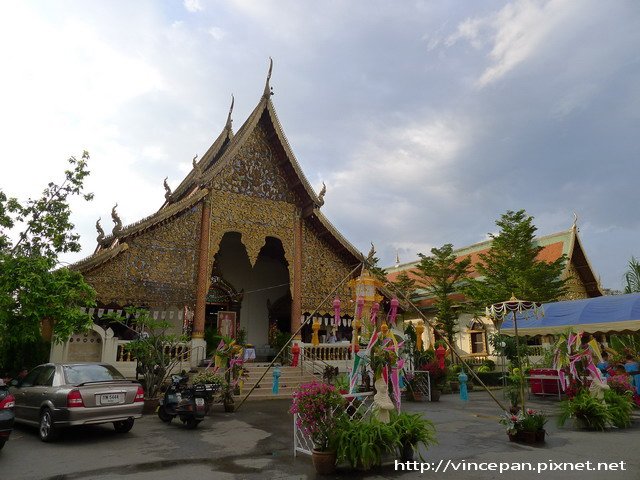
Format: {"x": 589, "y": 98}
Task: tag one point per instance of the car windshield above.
{"x": 75, "y": 374}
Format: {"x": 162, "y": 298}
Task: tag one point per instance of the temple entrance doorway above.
{"x": 262, "y": 286}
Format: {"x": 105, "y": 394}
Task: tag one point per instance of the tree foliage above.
{"x": 155, "y": 348}
{"x": 404, "y": 285}
{"x": 632, "y": 277}
{"x": 511, "y": 266}
{"x": 32, "y": 235}
{"x": 441, "y": 275}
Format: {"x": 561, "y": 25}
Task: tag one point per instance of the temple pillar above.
{"x": 203, "y": 273}
{"x": 296, "y": 294}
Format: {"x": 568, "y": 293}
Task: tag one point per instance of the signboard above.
{"x": 227, "y": 324}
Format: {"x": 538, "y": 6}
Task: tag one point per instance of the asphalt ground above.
{"x": 256, "y": 442}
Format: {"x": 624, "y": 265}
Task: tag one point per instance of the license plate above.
{"x": 111, "y": 398}
{"x": 199, "y": 402}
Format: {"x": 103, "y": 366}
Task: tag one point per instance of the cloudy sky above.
{"x": 426, "y": 120}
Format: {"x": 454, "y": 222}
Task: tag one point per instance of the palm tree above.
{"x": 632, "y": 277}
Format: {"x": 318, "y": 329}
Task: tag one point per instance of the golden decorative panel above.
{"x": 322, "y": 270}
{"x": 575, "y": 288}
{"x": 158, "y": 269}
{"x": 255, "y": 219}
{"x": 254, "y": 171}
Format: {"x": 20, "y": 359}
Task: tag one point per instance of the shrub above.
{"x": 591, "y": 411}
{"x": 363, "y": 442}
{"x": 619, "y": 407}
{"x": 318, "y": 406}
{"x": 413, "y": 429}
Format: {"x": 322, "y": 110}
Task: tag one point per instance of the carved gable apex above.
{"x": 255, "y": 169}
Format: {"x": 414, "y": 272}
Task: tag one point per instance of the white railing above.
{"x": 326, "y": 351}
{"x": 359, "y": 405}
{"x": 180, "y": 352}
{"x": 420, "y": 383}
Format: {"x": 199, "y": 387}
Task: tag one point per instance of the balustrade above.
{"x": 325, "y": 351}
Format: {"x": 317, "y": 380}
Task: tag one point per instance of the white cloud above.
{"x": 193, "y": 5}
{"x": 514, "y": 34}
{"x": 217, "y": 33}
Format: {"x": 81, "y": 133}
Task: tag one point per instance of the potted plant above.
{"x": 155, "y": 352}
{"x": 412, "y": 430}
{"x": 318, "y": 408}
{"x": 226, "y": 396}
{"x": 588, "y": 411}
{"x": 527, "y": 427}
{"x": 362, "y": 443}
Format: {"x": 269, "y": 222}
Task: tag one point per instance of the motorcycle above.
{"x": 189, "y": 403}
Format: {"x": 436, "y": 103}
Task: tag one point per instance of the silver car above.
{"x": 57, "y": 395}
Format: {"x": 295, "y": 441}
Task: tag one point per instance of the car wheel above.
{"x": 47, "y": 430}
{"x": 2, "y": 442}
{"x": 163, "y": 415}
{"x": 123, "y": 426}
{"x": 192, "y": 423}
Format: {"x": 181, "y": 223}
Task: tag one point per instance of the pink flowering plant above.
{"x": 318, "y": 407}
{"x": 530, "y": 421}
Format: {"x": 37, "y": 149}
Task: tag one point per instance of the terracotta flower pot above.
{"x": 324, "y": 462}
{"x": 150, "y": 406}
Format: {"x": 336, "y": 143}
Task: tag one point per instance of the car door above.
{"x": 36, "y": 394}
{"x": 21, "y": 392}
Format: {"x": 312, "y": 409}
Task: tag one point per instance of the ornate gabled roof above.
{"x": 210, "y": 157}
{"x": 323, "y": 223}
{"x": 112, "y": 245}
{"x": 553, "y": 246}
{"x": 223, "y": 150}
{"x": 98, "y": 258}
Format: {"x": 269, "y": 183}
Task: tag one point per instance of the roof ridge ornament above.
{"x": 167, "y": 190}
{"x": 268, "y": 90}
{"x": 100, "y": 231}
{"x": 321, "y": 194}
{"x": 117, "y": 227}
{"x": 229, "y": 120}
{"x": 197, "y": 171}
{"x": 575, "y": 222}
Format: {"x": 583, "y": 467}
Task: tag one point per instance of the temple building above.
{"x": 242, "y": 234}
{"x": 472, "y": 339}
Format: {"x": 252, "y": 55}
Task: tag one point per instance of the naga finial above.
{"x": 100, "y": 237}
{"x": 197, "y": 171}
{"x": 117, "y": 227}
{"x": 371, "y": 253}
{"x": 268, "y": 91}
{"x": 322, "y": 193}
{"x": 229, "y": 121}
{"x": 575, "y": 221}
{"x": 167, "y": 190}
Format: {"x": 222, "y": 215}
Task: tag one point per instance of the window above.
{"x": 478, "y": 338}
{"x": 45, "y": 378}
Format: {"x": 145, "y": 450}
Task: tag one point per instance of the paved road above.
{"x": 256, "y": 443}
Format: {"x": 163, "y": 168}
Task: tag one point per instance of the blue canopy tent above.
{"x": 617, "y": 313}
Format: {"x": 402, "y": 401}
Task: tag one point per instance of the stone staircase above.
{"x": 290, "y": 379}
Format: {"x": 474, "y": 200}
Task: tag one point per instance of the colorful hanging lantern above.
{"x": 336, "y": 311}
{"x": 393, "y": 311}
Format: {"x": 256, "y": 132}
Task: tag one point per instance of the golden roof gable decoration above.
{"x": 204, "y": 177}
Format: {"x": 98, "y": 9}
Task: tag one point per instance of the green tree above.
{"x": 404, "y": 285}
{"x": 441, "y": 275}
{"x": 511, "y": 266}
{"x": 632, "y": 277}
{"x": 32, "y": 235}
